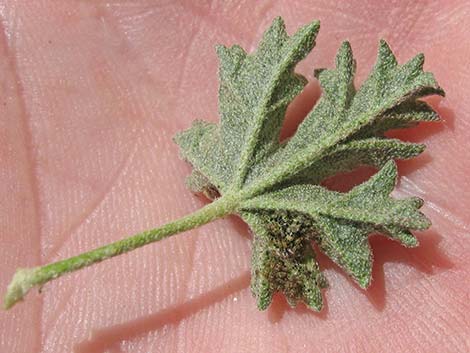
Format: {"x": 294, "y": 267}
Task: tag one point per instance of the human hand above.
{"x": 93, "y": 93}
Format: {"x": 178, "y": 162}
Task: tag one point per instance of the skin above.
{"x": 92, "y": 93}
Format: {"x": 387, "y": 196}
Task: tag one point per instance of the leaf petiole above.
{"x": 27, "y": 278}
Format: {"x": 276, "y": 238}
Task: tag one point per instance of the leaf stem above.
{"x": 27, "y": 278}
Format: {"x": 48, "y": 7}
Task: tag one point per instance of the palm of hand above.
{"x": 92, "y": 95}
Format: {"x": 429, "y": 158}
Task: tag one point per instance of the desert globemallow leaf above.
{"x": 275, "y": 186}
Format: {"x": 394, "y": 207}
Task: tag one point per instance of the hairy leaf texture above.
{"x": 277, "y": 183}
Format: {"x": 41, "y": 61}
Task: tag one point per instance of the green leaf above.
{"x": 343, "y": 221}
{"x": 341, "y": 112}
{"x": 244, "y": 168}
{"x": 275, "y": 184}
{"x": 253, "y": 96}
{"x": 369, "y": 202}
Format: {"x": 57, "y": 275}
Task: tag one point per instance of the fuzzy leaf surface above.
{"x": 277, "y": 183}
{"x": 254, "y": 93}
{"x": 341, "y": 222}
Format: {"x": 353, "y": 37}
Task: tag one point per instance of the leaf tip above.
{"x": 412, "y": 242}
{"x": 417, "y": 202}
{"x": 420, "y": 59}
{"x": 364, "y": 281}
{"x": 263, "y": 300}
{"x": 220, "y": 49}
{"x": 278, "y": 21}
{"x": 384, "y": 47}
{"x": 344, "y": 58}
{"x": 307, "y": 35}
{"x": 425, "y": 222}
{"x": 314, "y": 299}
{"x": 197, "y": 126}
{"x": 440, "y": 91}
{"x": 385, "y": 54}
{"x": 315, "y": 305}
{"x": 314, "y": 26}
{"x": 233, "y": 52}
{"x": 418, "y": 148}
{"x": 344, "y": 50}
{"x": 345, "y": 46}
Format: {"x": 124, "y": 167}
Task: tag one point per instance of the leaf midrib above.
{"x": 333, "y": 210}
{"x": 280, "y": 173}
{"x": 247, "y": 153}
